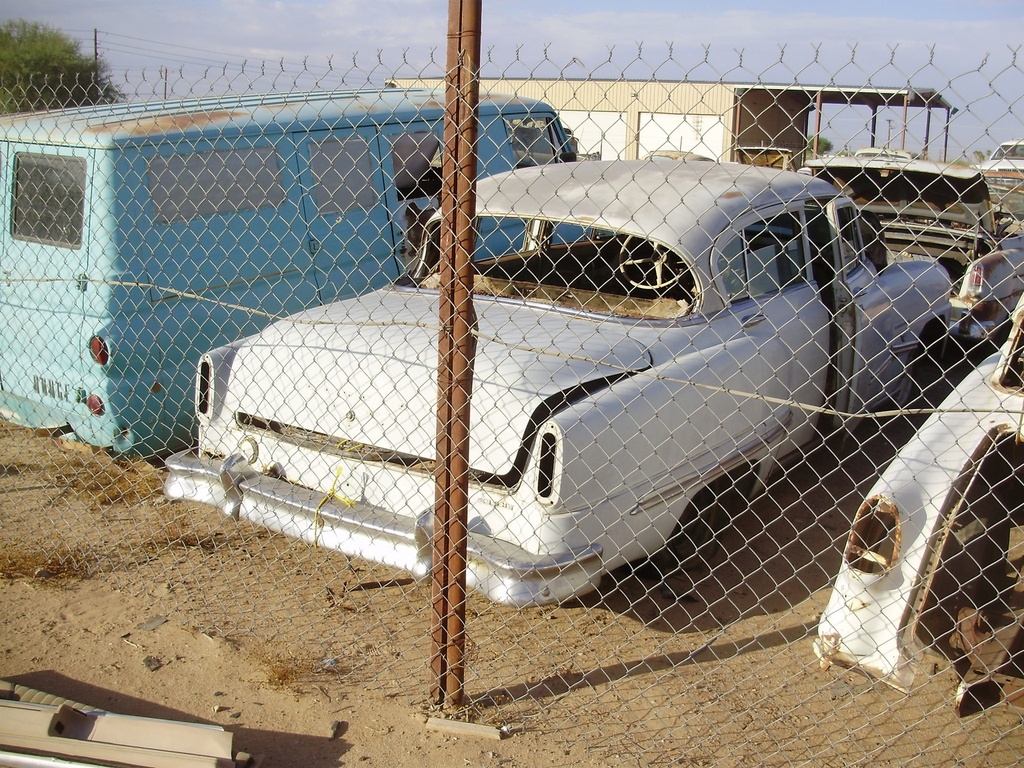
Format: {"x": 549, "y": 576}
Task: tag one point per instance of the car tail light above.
{"x": 974, "y": 282}
{"x": 203, "y": 387}
{"x": 95, "y": 404}
{"x": 99, "y": 350}
{"x": 875, "y": 538}
{"x": 546, "y": 456}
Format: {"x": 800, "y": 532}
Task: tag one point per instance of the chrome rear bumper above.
{"x": 504, "y": 572}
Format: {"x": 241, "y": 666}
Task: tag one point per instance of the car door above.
{"x": 865, "y": 322}
{"x": 349, "y": 226}
{"x": 779, "y": 347}
{"x": 44, "y": 280}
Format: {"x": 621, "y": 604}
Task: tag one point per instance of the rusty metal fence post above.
{"x": 455, "y": 353}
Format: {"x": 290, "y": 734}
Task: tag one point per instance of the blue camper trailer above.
{"x": 138, "y": 236}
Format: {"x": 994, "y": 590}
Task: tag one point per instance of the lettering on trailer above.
{"x": 50, "y": 388}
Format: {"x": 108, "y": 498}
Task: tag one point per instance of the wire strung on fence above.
{"x": 739, "y": 431}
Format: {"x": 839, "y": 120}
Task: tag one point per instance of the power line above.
{"x": 86, "y": 35}
{"x": 173, "y": 46}
{"x": 156, "y": 56}
{"x": 159, "y": 52}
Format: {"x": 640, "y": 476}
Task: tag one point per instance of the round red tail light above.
{"x": 95, "y": 405}
{"x": 99, "y": 350}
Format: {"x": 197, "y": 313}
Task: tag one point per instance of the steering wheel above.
{"x": 648, "y": 266}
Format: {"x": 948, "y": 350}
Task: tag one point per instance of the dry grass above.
{"x": 110, "y": 481}
{"x": 53, "y": 569}
{"x": 182, "y": 532}
{"x": 282, "y": 670}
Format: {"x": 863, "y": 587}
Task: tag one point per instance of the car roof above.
{"x": 684, "y": 204}
{"x": 894, "y": 162}
{"x": 269, "y": 113}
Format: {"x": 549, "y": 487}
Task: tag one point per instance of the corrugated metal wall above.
{"x": 632, "y": 99}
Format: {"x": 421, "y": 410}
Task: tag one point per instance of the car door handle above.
{"x": 751, "y": 320}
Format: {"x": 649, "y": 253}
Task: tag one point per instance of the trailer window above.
{"x": 49, "y": 199}
{"x": 183, "y": 187}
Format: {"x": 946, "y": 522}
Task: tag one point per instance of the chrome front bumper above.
{"x": 504, "y": 572}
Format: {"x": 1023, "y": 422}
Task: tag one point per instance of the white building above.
{"x": 633, "y": 118}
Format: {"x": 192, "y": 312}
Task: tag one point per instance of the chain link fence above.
{"x": 703, "y": 526}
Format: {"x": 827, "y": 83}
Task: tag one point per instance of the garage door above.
{"x": 703, "y": 134}
{"x": 600, "y": 135}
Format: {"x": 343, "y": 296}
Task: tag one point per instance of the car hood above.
{"x": 364, "y": 372}
{"x": 916, "y": 201}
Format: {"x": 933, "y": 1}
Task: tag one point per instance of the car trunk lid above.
{"x": 365, "y": 371}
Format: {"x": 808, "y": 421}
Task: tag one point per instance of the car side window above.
{"x": 731, "y": 268}
{"x": 416, "y": 162}
{"x": 824, "y": 241}
{"x": 223, "y": 181}
{"x": 532, "y": 143}
{"x": 343, "y": 174}
{"x": 850, "y": 243}
{"x": 49, "y": 199}
{"x": 764, "y": 258}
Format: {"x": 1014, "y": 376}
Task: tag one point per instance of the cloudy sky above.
{"x": 967, "y": 49}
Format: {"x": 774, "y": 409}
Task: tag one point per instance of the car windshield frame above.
{"x": 1009, "y": 151}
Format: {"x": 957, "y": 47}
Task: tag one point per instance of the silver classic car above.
{"x": 650, "y": 335}
{"x": 933, "y": 560}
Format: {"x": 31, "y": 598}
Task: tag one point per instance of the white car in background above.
{"x": 1009, "y": 156}
{"x": 932, "y": 564}
{"x": 651, "y": 337}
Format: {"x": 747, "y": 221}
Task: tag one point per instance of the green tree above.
{"x": 42, "y": 68}
{"x": 824, "y": 145}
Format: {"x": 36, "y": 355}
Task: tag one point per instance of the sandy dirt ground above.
{"x": 115, "y": 597}
{"x": 92, "y": 644}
